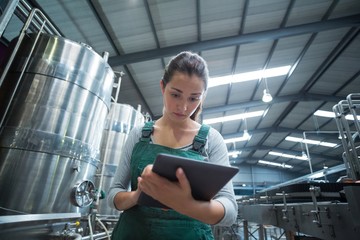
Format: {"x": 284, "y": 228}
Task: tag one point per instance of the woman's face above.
{"x": 182, "y": 95}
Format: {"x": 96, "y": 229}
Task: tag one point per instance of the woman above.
{"x": 183, "y": 87}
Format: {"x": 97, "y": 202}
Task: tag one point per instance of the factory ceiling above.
{"x": 318, "y": 41}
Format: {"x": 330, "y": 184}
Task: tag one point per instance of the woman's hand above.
{"x": 172, "y": 194}
{"x": 177, "y": 195}
{"x": 126, "y": 200}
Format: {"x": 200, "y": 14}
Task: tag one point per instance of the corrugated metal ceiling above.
{"x": 319, "y": 39}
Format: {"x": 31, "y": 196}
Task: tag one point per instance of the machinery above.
{"x": 303, "y": 208}
{"x": 321, "y": 210}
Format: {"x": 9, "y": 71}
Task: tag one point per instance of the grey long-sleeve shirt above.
{"x": 216, "y": 152}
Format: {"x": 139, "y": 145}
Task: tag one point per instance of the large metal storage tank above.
{"x": 121, "y": 119}
{"x": 50, "y": 139}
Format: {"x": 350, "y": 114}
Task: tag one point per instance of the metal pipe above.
{"x": 103, "y": 227}
{"x": 305, "y": 178}
{"x": 75, "y": 236}
{"x": 40, "y": 17}
{"x": 101, "y": 235}
{"x": 118, "y": 85}
{"x": 346, "y": 153}
{"x": 17, "y": 46}
{"x": 351, "y": 158}
{"x": 307, "y": 152}
{"x": 31, "y": 16}
{"x": 51, "y": 29}
{"x": 353, "y": 104}
{"x": 6, "y": 15}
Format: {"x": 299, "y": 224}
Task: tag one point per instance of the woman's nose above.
{"x": 183, "y": 106}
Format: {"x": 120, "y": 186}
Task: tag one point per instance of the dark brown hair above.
{"x": 191, "y": 64}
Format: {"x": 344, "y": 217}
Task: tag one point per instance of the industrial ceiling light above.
{"x": 309, "y": 141}
{"x": 328, "y": 114}
{"x": 288, "y": 155}
{"x": 266, "y": 96}
{"x": 245, "y": 137}
{"x": 246, "y": 134}
{"x": 303, "y": 154}
{"x": 316, "y": 175}
{"x": 234, "y": 117}
{"x": 248, "y": 76}
{"x": 234, "y": 154}
{"x": 283, "y": 165}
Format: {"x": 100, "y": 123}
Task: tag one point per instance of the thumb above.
{"x": 183, "y": 181}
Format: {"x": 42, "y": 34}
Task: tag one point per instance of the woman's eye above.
{"x": 194, "y": 99}
{"x": 175, "y": 95}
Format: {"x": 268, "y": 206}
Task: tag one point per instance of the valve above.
{"x": 83, "y": 194}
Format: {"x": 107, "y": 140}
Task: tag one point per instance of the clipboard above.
{"x": 206, "y": 179}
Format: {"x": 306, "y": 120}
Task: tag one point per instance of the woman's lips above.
{"x": 180, "y": 114}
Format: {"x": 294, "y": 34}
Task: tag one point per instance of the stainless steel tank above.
{"x": 50, "y": 139}
{"x": 121, "y": 119}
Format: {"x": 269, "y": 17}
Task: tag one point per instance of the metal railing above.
{"x": 349, "y": 130}
{"x": 36, "y": 22}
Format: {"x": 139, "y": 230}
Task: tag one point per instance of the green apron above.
{"x": 141, "y": 222}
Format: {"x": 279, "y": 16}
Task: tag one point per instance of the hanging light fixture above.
{"x": 246, "y": 134}
{"x": 245, "y": 137}
{"x": 303, "y": 154}
{"x": 234, "y": 153}
{"x": 266, "y": 95}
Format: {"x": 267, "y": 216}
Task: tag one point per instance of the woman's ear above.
{"x": 162, "y": 87}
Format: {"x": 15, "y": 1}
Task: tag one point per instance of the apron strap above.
{"x": 201, "y": 138}
{"x": 147, "y": 130}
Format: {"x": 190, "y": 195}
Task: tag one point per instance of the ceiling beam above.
{"x": 349, "y": 21}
